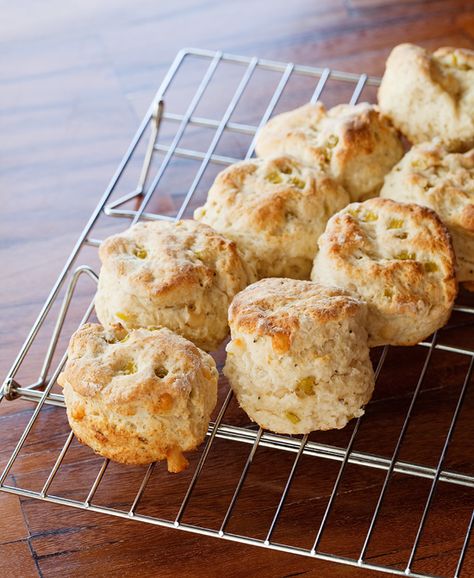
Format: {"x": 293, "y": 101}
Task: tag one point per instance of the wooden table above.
{"x": 74, "y": 82}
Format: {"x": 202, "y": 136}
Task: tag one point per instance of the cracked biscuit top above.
{"x": 399, "y": 258}
{"x": 274, "y": 209}
{"x": 355, "y": 143}
{"x": 140, "y": 396}
{"x": 430, "y": 95}
{"x": 182, "y": 275}
{"x": 430, "y": 175}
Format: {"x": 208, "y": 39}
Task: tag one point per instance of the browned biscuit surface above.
{"x": 298, "y": 359}
{"x": 274, "y": 209}
{"x": 430, "y": 95}
{"x": 399, "y": 258}
{"x": 432, "y": 176}
{"x": 181, "y": 275}
{"x": 138, "y": 397}
{"x": 355, "y": 143}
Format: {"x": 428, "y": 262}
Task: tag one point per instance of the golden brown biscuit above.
{"x": 430, "y": 95}
{"x": 180, "y": 275}
{"x": 355, "y": 143}
{"x": 274, "y": 209}
{"x": 138, "y": 397}
{"x": 398, "y": 258}
{"x": 431, "y": 176}
{"x": 298, "y": 359}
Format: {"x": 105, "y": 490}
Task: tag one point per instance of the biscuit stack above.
{"x": 430, "y": 99}
{"x": 140, "y": 388}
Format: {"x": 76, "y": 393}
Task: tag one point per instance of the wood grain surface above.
{"x": 75, "y": 80}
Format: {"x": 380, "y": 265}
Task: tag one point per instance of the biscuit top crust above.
{"x": 267, "y": 194}
{"x": 461, "y": 59}
{"x": 167, "y": 260}
{"x": 357, "y": 127}
{"x": 344, "y": 132}
{"x": 443, "y": 81}
{"x": 146, "y": 369}
{"x": 277, "y": 307}
{"x": 444, "y": 181}
{"x": 403, "y": 247}
{"x": 452, "y": 59}
{"x": 451, "y": 68}
{"x": 356, "y": 143}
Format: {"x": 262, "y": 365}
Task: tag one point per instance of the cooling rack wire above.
{"x": 146, "y": 150}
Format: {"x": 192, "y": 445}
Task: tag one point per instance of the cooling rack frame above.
{"x": 40, "y": 392}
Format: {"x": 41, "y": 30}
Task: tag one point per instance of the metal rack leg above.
{"x": 155, "y": 127}
{"x": 83, "y": 270}
{"x": 191, "y": 108}
{"x": 37, "y": 409}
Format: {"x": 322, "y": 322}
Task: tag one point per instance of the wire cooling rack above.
{"x": 408, "y": 465}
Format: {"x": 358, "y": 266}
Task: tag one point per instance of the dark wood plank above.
{"x": 13, "y": 524}
{"x": 17, "y": 561}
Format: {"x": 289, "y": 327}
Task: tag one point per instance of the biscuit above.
{"x": 180, "y": 275}
{"x": 398, "y": 258}
{"x": 430, "y": 95}
{"x": 298, "y": 359}
{"x": 138, "y": 397}
{"x": 274, "y": 209}
{"x": 431, "y": 176}
{"x": 355, "y": 143}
